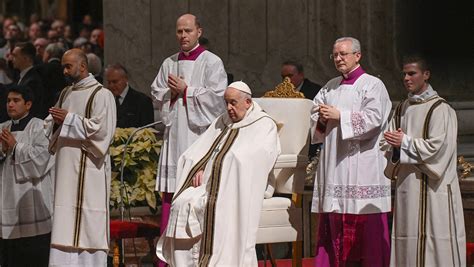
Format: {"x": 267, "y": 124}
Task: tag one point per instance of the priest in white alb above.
{"x": 189, "y": 90}
{"x": 420, "y": 144}
{"x": 81, "y": 127}
{"x": 351, "y": 193}
{"x": 223, "y": 177}
{"x": 26, "y": 185}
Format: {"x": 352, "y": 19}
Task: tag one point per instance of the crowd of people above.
{"x": 31, "y": 54}
{"x": 218, "y": 148}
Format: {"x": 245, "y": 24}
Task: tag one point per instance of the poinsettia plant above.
{"x": 139, "y": 173}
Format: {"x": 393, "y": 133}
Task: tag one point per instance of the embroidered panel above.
{"x": 359, "y": 125}
{"x": 354, "y": 191}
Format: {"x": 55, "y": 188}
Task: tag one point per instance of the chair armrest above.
{"x": 291, "y": 161}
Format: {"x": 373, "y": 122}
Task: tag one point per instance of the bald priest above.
{"x": 216, "y": 208}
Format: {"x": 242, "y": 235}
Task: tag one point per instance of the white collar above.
{"x": 15, "y": 122}
{"x": 85, "y": 81}
{"x": 188, "y": 52}
{"x": 299, "y": 86}
{"x": 427, "y": 94}
{"x": 123, "y": 94}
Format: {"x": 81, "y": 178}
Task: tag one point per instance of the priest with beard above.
{"x": 223, "y": 177}
{"x": 80, "y": 127}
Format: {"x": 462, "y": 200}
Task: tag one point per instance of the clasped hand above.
{"x": 58, "y": 114}
{"x": 394, "y": 138}
{"x": 327, "y": 112}
{"x": 197, "y": 179}
{"x": 177, "y": 85}
{"x": 8, "y": 140}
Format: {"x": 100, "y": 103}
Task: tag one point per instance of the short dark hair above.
{"x": 27, "y": 49}
{"x": 297, "y": 65}
{"x": 22, "y": 90}
{"x": 204, "y": 41}
{"x": 416, "y": 58}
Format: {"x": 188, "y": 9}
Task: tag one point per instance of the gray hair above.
{"x": 55, "y": 50}
{"x": 354, "y": 41}
{"x": 245, "y": 95}
{"x": 95, "y": 64}
{"x": 118, "y": 67}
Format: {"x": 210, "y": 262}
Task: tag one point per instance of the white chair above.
{"x": 281, "y": 217}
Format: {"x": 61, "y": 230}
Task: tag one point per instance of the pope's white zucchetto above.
{"x": 241, "y": 86}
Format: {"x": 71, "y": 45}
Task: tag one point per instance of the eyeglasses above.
{"x": 342, "y": 55}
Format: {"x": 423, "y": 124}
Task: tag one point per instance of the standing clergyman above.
{"x": 351, "y": 193}
{"x": 428, "y": 219}
{"x": 81, "y": 127}
{"x": 189, "y": 89}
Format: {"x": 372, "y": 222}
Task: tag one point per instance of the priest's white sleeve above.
{"x": 98, "y": 130}
{"x": 383, "y": 144}
{"x": 367, "y": 122}
{"x": 159, "y": 88}
{"x": 161, "y": 92}
{"x": 432, "y": 155}
{"x": 206, "y": 102}
{"x": 317, "y": 129}
{"x": 32, "y": 160}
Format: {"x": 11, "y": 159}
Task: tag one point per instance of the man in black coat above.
{"x": 51, "y": 72}
{"x": 134, "y": 109}
{"x": 3, "y": 103}
{"x": 23, "y": 56}
{"x": 295, "y": 72}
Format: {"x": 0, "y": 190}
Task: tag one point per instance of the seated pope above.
{"x": 222, "y": 181}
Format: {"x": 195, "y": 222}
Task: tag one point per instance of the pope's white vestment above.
{"x": 215, "y": 224}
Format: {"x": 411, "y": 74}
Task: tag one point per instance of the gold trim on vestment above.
{"x": 452, "y": 215}
{"x": 207, "y": 238}
{"x": 201, "y": 163}
{"x": 81, "y": 176}
{"x": 421, "y": 243}
{"x": 79, "y": 200}
{"x": 450, "y": 212}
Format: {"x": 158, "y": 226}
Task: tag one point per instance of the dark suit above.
{"x": 53, "y": 81}
{"x": 310, "y": 89}
{"x": 3, "y": 103}
{"x": 136, "y": 110}
{"x": 32, "y": 80}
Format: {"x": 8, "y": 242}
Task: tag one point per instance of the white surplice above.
{"x": 445, "y": 240}
{"x": 216, "y": 224}
{"x": 27, "y": 184}
{"x": 83, "y": 184}
{"x": 185, "y": 122}
{"x": 350, "y": 177}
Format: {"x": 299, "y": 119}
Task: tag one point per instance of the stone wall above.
{"x": 254, "y": 37}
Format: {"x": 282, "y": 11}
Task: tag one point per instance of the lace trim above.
{"x": 358, "y": 123}
{"x": 354, "y": 191}
{"x": 354, "y": 148}
{"x": 166, "y": 172}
